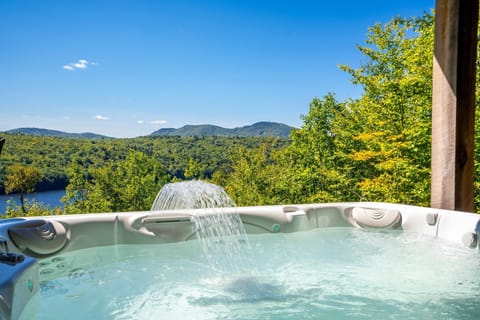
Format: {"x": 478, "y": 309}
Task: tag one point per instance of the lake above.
{"x": 48, "y": 198}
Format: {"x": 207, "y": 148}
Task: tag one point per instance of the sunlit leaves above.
{"x": 22, "y": 179}
{"x": 126, "y": 185}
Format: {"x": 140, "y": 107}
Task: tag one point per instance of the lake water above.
{"x": 48, "y": 198}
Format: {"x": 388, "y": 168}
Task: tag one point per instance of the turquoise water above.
{"x": 337, "y": 273}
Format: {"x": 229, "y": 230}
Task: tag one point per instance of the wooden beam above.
{"x": 2, "y": 142}
{"x": 453, "y": 115}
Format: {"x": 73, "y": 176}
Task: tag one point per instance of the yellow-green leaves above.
{"x": 22, "y": 179}
{"x": 127, "y": 185}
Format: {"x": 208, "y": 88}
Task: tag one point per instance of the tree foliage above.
{"x": 375, "y": 147}
{"x": 31, "y": 207}
{"x": 311, "y": 162}
{"x": 52, "y": 155}
{"x": 195, "y": 170}
{"x": 252, "y": 177}
{"x": 22, "y": 179}
{"x": 392, "y": 118}
{"x": 126, "y": 185}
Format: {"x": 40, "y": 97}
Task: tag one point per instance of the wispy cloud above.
{"x": 158, "y": 122}
{"x": 100, "y": 117}
{"x": 81, "y": 64}
{"x": 154, "y": 122}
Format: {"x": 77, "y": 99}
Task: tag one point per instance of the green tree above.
{"x": 126, "y": 185}
{"x": 195, "y": 170}
{"x": 76, "y": 190}
{"x": 22, "y": 179}
{"x": 376, "y": 147}
{"x": 385, "y": 134}
{"x": 251, "y": 180}
{"x": 309, "y": 164}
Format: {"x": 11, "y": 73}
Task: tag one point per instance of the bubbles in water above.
{"x": 78, "y": 273}
{"x": 332, "y": 273}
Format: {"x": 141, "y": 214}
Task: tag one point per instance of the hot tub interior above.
{"x": 339, "y": 261}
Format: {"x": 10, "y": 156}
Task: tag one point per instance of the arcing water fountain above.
{"x": 221, "y": 235}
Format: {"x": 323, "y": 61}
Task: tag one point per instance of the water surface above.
{"x": 337, "y": 273}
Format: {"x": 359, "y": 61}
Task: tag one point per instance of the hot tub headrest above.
{"x": 376, "y": 217}
{"x": 39, "y": 237}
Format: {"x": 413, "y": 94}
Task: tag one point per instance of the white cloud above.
{"x": 158, "y": 122}
{"x": 140, "y": 121}
{"x": 81, "y": 64}
{"x": 100, "y": 117}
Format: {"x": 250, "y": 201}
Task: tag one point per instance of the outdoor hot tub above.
{"x": 306, "y": 261}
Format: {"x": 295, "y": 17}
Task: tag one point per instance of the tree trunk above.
{"x": 22, "y": 203}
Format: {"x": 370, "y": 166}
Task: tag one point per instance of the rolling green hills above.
{"x": 259, "y": 129}
{"x": 55, "y": 133}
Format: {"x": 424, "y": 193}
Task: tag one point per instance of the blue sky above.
{"x": 126, "y": 68}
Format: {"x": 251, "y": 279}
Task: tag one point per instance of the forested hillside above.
{"x": 52, "y": 155}
{"x": 259, "y": 129}
{"x": 55, "y": 133}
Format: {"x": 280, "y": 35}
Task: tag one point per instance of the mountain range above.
{"x": 259, "y": 129}
{"x": 55, "y": 133}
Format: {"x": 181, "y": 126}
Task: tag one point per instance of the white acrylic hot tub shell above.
{"x": 60, "y": 234}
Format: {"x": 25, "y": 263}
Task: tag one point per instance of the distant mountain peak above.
{"x": 55, "y": 133}
{"x": 258, "y": 129}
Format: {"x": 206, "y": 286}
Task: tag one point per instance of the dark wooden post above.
{"x": 456, "y": 23}
{"x": 2, "y": 142}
